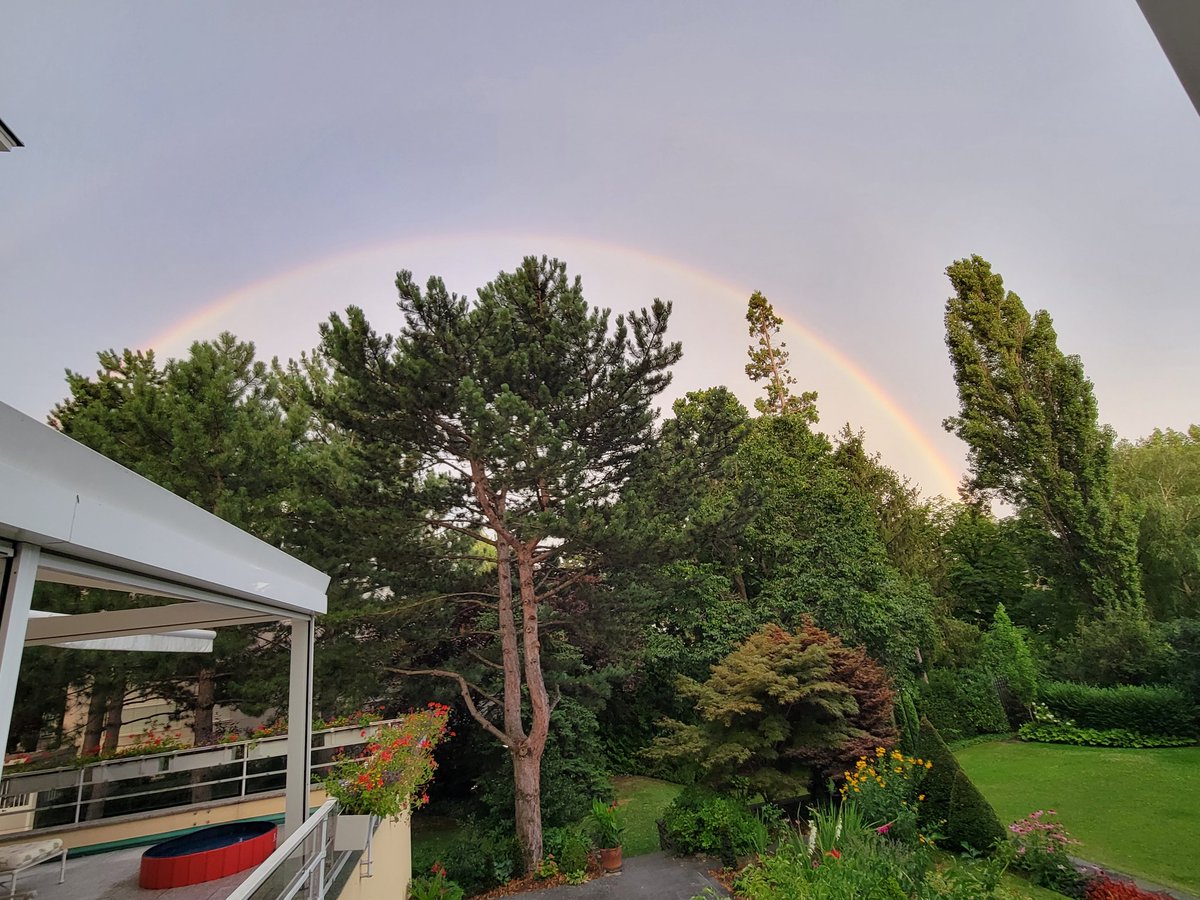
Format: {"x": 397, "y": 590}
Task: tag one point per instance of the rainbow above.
{"x": 203, "y": 322}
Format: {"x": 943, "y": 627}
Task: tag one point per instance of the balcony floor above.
{"x": 112, "y": 876}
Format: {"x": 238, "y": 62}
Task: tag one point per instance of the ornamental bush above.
{"x": 702, "y": 821}
{"x": 886, "y": 789}
{"x": 1147, "y": 709}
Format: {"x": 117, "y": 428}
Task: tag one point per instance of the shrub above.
{"x": 481, "y": 860}
{"x": 1063, "y": 733}
{"x": 1118, "y": 647}
{"x": 701, "y": 821}
{"x": 1157, "y": 710}
{"x": 1005, "y": 656}
{"x": 573, "y": 853}
{"x": 953, "y": 806}
{"x": 435, "y": 887}
{"x": 908, "y": 722}
{"x": 1042, "y": 850}
{"x": 963, "y": 703}
{"x": 1107, "y": 888}
{"x": 1183, "y": 665}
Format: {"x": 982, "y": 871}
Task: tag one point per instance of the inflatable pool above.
{"x": 207, "y": 854}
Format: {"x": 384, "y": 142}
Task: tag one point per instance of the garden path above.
{"x": 653, "y": 875}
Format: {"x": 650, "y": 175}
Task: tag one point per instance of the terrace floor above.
{"x": 112, "y": 876}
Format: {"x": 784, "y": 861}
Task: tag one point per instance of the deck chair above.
{"x": 16, "y": 858}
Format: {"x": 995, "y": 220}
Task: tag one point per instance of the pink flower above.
{"x": 884, "y": 829}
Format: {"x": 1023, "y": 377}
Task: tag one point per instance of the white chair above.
{"x": 16, "y": 858}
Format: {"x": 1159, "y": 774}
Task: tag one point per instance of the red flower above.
{"x": 835, "y": 853}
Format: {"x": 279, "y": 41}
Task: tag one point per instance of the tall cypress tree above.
{"x": 1029, "y": 417}
{"x": 526, "y": 410}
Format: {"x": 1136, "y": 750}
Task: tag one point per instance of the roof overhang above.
{"x": 8, "y": 140}
{"x": 101, "y": 525}
{"x": 1176, "y": 24}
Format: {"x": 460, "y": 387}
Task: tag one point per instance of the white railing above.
{"x": 305, "y": 861}
{"x": 223, "y": 771}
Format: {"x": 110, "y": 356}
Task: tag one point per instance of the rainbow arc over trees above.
{"x": 406, "y": 253}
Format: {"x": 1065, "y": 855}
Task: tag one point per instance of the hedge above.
{"x": 1145, "y": 709}
{"x": 1058, "y": 733}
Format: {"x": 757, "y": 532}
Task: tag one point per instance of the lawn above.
{"x": 1135, "y": 811}
{"x": 642, "y": 800}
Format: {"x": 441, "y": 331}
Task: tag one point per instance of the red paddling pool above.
{"x": 207, "y": 854}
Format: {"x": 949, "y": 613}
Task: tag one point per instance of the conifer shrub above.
{"x": 953, "y": 807}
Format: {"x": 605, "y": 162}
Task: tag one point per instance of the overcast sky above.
{"x": 273, "y": 161}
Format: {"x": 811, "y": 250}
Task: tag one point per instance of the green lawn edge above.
{"x": 1134, "y": 811}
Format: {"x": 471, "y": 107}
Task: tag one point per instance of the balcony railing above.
{"x": 180, "y": 778}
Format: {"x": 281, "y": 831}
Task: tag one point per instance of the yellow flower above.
{"x": 929, "y": 765}
{"x": 920, "y": 796}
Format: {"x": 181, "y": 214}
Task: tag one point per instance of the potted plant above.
{"x": 387, "y": 779}
{"x": 605, "y": 820}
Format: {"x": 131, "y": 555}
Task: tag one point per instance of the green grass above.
{"x": 642, "y": 800}
{"x": 1135, "y": 811}
{"x": 431, "y": 835}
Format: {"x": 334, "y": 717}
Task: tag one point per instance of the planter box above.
{"x": 353, "y": 832}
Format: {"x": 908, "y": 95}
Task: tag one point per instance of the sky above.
{"x": 193, "y": 168}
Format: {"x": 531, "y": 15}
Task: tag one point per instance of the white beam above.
{"x": 20, "y": 575}
{"x": 299, "y": 743}
{"x": 151, "y": 620}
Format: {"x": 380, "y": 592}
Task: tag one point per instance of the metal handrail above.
{"x": 285, "y": 851}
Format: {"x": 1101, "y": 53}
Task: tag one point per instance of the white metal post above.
{"x": 18, "y": 594}
{"x": 300, "y": 702}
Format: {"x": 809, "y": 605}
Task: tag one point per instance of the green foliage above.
{"x": 1183, "y": 666}
{"x": 434, "y": 887}
{"x": 700, "y": 821}
{"x": 1161, "y": 475}
{"x": 1060, "y": 733}
{"x": 1149, "y": 710}
{"x": 480, "y": 860}
{"x": 768, "y": 362}
{"x": 1005, "y": 657}
{"x": 1042, "y": 848}
{"x": 607, "y": 823}
{"x": 574, "y": 770}
{"x": 963, "y": 703}
{"x": 909, "y": 722}
{"x": 953, "y": 807}
{"x": 885, "y": 788}
{"x": 1029, "y": 417}
{"x": 769, "y": 702}
{"x": 1117, "y": 647}
{"x": 987, "y": 564}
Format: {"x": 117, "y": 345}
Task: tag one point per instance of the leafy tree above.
{"x": 1161, "y": 475}
{"x": 987, "y": 565}
{"x": 516, "y": 419}
{"x": 1028, "y": 416}
{"x": 768, "y": 362}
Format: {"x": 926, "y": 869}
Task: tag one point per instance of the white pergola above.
{"x": 72, "y": 516}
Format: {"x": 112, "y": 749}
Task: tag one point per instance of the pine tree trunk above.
{"x": 93, "y": 730}
{"x": 527, "y": 780}
{"x": 202, "y": 729}
{"x": 206, "y": 693}
{"x": 114, "y": 710}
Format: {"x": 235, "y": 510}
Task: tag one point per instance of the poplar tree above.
{"x": 1029, "y": 418}
{"x": 518, "y": 417}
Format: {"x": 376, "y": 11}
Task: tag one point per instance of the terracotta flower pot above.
{"x": 610, "y": 859}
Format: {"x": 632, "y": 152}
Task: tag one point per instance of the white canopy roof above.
{"x": 91, "y": 516}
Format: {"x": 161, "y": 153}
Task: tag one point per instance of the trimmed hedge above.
{"x": 1145, "y": 709}
{"x": 953, "y": 805}
{"x": 1058, "y": 733}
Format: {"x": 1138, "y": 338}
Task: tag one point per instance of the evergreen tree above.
{"x": 516, "y": 421}
{"x": 208, "y": 428}
{"x": 1029, "y": 418}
